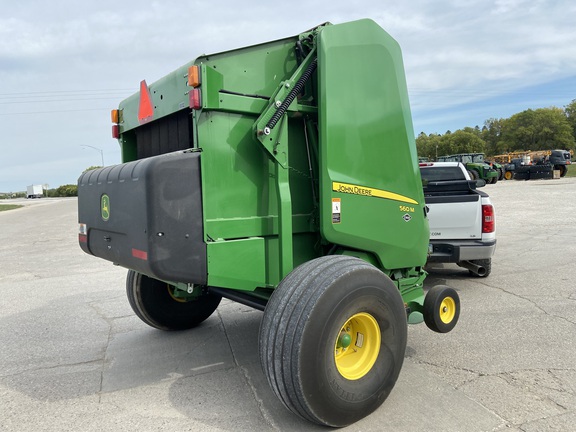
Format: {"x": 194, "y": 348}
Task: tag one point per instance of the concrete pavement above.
{"x": 74, "y": 357}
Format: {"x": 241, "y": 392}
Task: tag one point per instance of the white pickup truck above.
{"x": 462, "y": 224}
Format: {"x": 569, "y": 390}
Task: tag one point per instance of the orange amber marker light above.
{"x": 194, "y": 76}
{"x": 115, "y": 116}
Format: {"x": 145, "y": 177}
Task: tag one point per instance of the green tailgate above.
{"x": 371, "y": 192}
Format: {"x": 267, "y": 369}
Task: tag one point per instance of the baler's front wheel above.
{"x": 153, "y": 301}
{"x": 332, "y": 339}
{"x": 441, "y": 308}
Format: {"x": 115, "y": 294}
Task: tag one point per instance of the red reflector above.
{"x": 137, "y": 253}
{"x": 145, "y": 107}
{"x": 488, "y": 219}
{"x": 195, "y": 99}
{"x": 115, "y": 131}
{"x": 82, "y": 238}
{"x": 425, "y": 164}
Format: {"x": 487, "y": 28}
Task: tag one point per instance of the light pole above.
{"x": 96, "y": 148}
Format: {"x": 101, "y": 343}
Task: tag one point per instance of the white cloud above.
{"x": 455, "y": 53}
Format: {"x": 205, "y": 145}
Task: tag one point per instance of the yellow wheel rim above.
{"x": 508, "y": 175}
{"x": 357, "y": 346}
{"x": 171, "y": 292}
{"x": 447, "y": 310}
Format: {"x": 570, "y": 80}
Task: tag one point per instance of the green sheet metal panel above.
{"x": 371, "y": 192}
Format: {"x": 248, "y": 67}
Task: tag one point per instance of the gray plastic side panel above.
{"x": 155, "y": 223}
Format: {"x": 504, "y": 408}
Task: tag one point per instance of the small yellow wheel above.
{"x": 508, "y": 175}
{"x": 357, "y": 346}
{"x": 441, "y": 308}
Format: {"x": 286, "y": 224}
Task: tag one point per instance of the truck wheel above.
{"x": 332, "y": 340}
{"x": 153, "y": 302}
{"x": 486, "y": 263}
{"x": 562, "y": 169}
{"x": 441, "y": 308}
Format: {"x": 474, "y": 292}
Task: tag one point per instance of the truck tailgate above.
{"x": 454, "y": 217}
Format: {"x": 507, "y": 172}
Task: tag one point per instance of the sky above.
{"x": 64, "y": 67}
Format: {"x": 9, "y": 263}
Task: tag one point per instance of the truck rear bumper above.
{"x": 456, "y": 251}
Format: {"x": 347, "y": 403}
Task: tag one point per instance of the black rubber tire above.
{"x": 508, "y": 175}
{"x": 563, "y": 170}
{"x": 298, "y": 334}
{"x": 152, "y": 301}
{"x": 473, "y": 174}
{"x": 434, "y": 301}
{"x": 486, "y": 263}
{"x": 500, "y": 174}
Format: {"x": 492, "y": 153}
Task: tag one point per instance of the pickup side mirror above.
{"x": 480, "y": 183}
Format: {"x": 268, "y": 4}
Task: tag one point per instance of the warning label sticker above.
{"x": 336, "y": 210}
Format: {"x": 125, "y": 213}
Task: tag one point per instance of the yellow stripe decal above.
{"x": 370, "y": 192}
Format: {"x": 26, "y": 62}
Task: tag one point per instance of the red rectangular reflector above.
{"x": 115, "y": 131}
{"x": 82, "y": 238}
{"x": 195, "y": 99}
{"x": 137, "y": 253}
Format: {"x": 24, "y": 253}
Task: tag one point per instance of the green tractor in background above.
{"x": 477, "y": 167}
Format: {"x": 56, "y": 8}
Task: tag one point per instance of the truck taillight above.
{"x": 488, "y": 220}
{"x": 115, "y": 131}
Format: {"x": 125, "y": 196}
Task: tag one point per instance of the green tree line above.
{"x": 540, "y": 129}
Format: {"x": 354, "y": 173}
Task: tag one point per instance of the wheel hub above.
{"x": 447, "y": 310}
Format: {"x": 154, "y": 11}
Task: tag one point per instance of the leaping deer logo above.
{"x": 105, "y": 207}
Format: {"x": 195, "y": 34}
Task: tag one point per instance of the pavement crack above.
{"x": 51, "y": 368}
{"x": 264, "y": 413}
{"x": 532, "y": 302}
{"x": 104, "y": 351}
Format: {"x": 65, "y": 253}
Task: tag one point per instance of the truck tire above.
{"x": 562, "y": 169}
{"x": 441, "y": 308}
{"x": 332, "y": 340}
{"x": 153, "y": 302}
{"x": 486, "y": 263}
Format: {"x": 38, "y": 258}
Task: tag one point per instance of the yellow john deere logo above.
{"x": 105, "y": 207}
